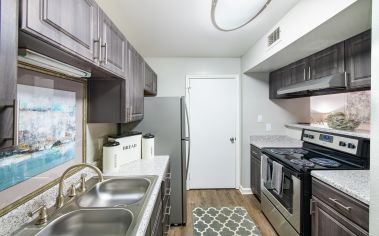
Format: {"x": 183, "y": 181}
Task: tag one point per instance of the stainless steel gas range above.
{"x": 286, "y": 176}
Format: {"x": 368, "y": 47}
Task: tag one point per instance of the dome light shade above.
{"x": 228, "y": 15}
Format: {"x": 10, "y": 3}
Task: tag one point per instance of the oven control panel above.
{"x": 333, "y": 141}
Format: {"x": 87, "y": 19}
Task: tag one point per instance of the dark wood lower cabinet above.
{"x": 327, "y": 221}
{"x": 160, "y": 219}
{"x": 335, "y": 213}
{"x": 255, "y": 171}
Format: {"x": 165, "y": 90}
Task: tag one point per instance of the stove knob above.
{"x": 351, "y": 146}
{"x": 311, "y": 136}
{"x": 342, "y": 144}
{"x": 306, "y": 136}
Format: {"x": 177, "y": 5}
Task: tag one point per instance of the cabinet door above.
{"x": 327, "y": 62}
{"x": 326, "y": 221}
{"x": 299, "y": 71}
{"x": 8, "y": 73}
{"x": 136, "y": 81}
{"x": 358, "y": 60}
{"x": 275, "y": 83}
{"x": 255, "y": 176}
{"x": 155, "y": 83}
{"x": 149, "y": 79}
{"x": 70, "y": 25}
{"x": 112, "y": 46}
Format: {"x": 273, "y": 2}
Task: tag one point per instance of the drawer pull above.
{"x": 311, "y": 211}
{"x": 335, "y": 201}
{"x": 168, "y": 227}
{"x": 168, "y": 210}
{"x": 168, "y": 176}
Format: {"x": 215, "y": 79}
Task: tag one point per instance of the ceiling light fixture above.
{"x": 229, "y": 15}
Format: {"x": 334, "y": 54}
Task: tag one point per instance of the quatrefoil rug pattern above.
{"x": 224, "y": 221}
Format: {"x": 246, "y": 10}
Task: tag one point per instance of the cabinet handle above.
{"x": 15, "y": 107}
{"x": 335, "y": 201}
{"x": 168, "y": 192}
{"x": 105, "y": 58}
{"x": 311, "y": 211}
{"x": 309, "y": 72}
{"x": 96, "y": 42}
{"x": 304, "y": 75}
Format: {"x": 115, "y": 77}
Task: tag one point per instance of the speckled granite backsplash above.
{"x": 13, "y": 220}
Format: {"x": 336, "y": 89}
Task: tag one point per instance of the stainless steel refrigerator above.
{"x": 167, "y": 119}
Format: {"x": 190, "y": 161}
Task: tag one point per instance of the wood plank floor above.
{"x": 219, "y": 198}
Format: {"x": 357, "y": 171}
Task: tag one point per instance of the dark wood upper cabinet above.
{"x": 294, "y": 73}
{"x": 71, "y": 25}
{"x": 135, "y": 77}
{"x": 8, "y": 73}
{"x": 329, "y": 61}
{"x": 275, "y": 83}
{"x": 150, "y": 81}
{"x": 352, "y": 56}
{"x": 358, "y": 60}
{"x": 112, "y": 46}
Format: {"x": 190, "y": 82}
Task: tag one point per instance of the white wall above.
{"x": 96, "y": 135}
{"x": 172, "y": 71}
{"x": 299, "y": 21}
{"x": 374, "y": 162}
{"x": 255, "y": 101}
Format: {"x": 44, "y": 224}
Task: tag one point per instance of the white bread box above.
{"x": 129, "y": 148}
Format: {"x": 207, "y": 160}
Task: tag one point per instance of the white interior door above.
{"x": 213, "y": 119}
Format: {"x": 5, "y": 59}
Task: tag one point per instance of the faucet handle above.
{"x": 72, "y": 191}
{"x": 42, "y": 215}
{"x": 83, "y": 182}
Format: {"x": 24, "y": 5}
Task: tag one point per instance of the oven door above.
{"x": 288, "y": 201}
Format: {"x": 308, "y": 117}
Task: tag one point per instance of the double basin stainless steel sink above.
{"x": 113, "y": 207}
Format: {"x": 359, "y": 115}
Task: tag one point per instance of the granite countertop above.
{"x": 263, "y": 141}
{"x": 156, "y": 166}
{"x": 355, "y": 183}
{"x": 356, "y": 133}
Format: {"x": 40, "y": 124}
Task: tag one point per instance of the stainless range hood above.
{"x": 336, "y": 81}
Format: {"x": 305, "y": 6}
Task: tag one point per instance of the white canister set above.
{"x": 123, "y": 149}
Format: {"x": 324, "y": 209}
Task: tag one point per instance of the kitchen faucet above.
{"x": 60, "y": 197}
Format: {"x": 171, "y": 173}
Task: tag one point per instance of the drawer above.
{"x": 255, "y": 152}
{"x": 347, "y": 206}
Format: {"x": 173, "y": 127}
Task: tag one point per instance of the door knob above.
{"x": 232, "y": 139}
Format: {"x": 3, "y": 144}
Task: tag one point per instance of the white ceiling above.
{"x": 183, "y": 28}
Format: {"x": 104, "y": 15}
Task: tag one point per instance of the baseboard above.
{"x": 245, "y": 190}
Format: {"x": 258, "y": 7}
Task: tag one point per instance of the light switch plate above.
{"x": 268, "y": 127}
{"x": 259, "y": 118}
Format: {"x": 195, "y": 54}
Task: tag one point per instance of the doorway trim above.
{"x": 238, "y": 116}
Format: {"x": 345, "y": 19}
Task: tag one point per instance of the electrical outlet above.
{"x": 259, "y": 118}
{"x": 268, "y": 127}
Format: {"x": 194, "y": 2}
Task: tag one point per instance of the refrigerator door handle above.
{"x": 188, "y": 139}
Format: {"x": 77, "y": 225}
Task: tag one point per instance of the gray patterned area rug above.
{"x": 223, "y": 221}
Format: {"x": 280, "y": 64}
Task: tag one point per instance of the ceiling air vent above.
{"x": 273, "y": 37}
